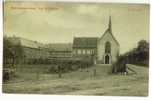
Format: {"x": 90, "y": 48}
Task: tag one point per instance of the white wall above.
{"x": 101, "y": 48}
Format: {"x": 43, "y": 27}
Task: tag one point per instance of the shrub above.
{"x": 8, "y": 73}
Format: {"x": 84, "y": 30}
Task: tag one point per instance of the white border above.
{"x": 102, "y": 1}
{"x": 56, "y": 97}
{"x": 1, "y": 43}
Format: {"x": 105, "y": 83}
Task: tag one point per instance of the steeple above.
{"x": 110, "y": 25}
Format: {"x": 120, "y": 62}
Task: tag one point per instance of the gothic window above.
{"x": 107, "y": 47}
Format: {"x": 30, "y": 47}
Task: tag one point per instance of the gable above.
{"x": 110, "y": 36}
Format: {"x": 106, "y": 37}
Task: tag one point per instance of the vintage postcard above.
{"x": 75, "y": 48}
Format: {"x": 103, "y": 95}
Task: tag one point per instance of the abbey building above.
{"x": 104, "y": 49}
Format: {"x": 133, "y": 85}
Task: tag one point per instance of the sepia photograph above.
{"x": 75, "y": 48}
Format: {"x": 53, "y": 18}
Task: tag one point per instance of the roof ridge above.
{"x": 86, "y": 37}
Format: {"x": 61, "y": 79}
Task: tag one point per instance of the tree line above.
{"x": 137, "y": 56}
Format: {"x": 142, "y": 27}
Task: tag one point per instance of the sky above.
{"x": 53, "y": 22}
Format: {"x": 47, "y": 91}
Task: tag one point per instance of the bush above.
{"x": 53, "y": 69}
{"x": 69, "y": 65}
{"x": 8, "y": 73}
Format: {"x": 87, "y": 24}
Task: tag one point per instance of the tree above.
{"x": 8, "y": 56}
{"x": 15, "y": 48}
{"x": 18, "y": 52}
{"x": 8, "y": 60}
{"x": 138, "y": 55}
{"x": 143, "y": 52}
{"x": 143, "y": 46}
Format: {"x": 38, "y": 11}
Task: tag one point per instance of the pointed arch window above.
{"x": 107, "y": 47}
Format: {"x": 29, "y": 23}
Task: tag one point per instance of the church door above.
{"x": 107, "y": 59}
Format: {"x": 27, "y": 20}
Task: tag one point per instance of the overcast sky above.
{"x": 49, "y": 22}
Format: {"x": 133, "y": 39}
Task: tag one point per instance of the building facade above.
{"x": 30, "y": 50}
{"x": 60, "y": 50}
{"x": 103, "y": 50}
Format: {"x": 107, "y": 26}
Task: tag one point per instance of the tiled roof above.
{"x": 26, "y": 42}
{"x": 34, "y": 44}
{"x": 85, "y": 42}
{"x": 31, "y": 44}
{"x": 60, "y": 47}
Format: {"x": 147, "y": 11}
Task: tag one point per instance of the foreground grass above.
{"x": 81, "y": 82}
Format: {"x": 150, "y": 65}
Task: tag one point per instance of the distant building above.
{"x": 102, "y": 50}
{"x": 30, "y": 49}
{"x": 60, "y": 50}
{"x": 85, "y": 48}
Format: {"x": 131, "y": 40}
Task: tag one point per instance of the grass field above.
{"x": 35, "y": 79}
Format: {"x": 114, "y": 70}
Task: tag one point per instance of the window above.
{"x": 88, "y": 51}
{"x": 92, "y": 51}
{"x": 85, "y": 51}
{"x": 107, "y": 47}
{"x": 75, "y": 52}
{"x": 79, "y": 51}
